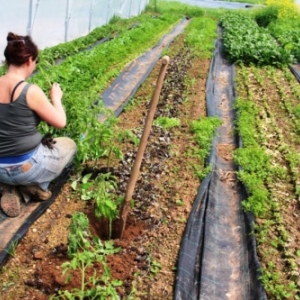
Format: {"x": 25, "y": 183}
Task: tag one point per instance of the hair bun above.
{"x": 11, "y": 37}
{"x": 19, "y": 48}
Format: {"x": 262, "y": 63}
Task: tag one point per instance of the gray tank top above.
{"x": 18, "y": 127}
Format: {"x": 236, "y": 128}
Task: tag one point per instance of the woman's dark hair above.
{"x": 19, "y": 49}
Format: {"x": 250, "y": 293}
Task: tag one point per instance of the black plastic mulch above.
{"x": 296, "y": 70}
{"x": 125, "y": 86}
{"x": 217, "y": 258}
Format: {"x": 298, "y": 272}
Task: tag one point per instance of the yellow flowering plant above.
{"x": 286, "y": 8}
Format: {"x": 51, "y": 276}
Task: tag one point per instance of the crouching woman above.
{"x": 27, "y": 165}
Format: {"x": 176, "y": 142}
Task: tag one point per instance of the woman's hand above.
{"x": 56, "y": 94}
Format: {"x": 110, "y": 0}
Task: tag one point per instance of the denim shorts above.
{"x": 43, "y": 166}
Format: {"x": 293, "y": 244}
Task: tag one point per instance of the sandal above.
{"x": 10, "y": 201}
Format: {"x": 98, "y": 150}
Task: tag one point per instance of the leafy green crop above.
{"x": 245, "y": 42}
{"x": 287, "y": 32}
{"x": 78, "y": 233}
{"x": 95, "y": 286}
{"x": 200, "y": 34}
{"x": 106, "y": 202}
{"x": 204, "y": 130}
{"x": 166, "y": 122}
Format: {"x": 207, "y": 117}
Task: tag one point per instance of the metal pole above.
{"x": 140, "y": 9}
{"x": 122, "y": 8}
{"x": 29, "y": 18}
{"x": 108, "y": 12}
{"x": 130, "y": 8}
{"x": 32, "y": 17}
{"x": 91, "y": 15}
{"x": 67, "y": 21}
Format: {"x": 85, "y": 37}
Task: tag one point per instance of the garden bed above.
{"x": 273, "y": 172}
{"x": 164, "y": 194}
{"x": 142, "y": 265}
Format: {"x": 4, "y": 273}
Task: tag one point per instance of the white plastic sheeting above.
{"x": 51, "y": 22}
{"x": 216, "y": 4}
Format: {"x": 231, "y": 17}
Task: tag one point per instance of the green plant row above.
{"x": 293, "y": 108}
{"x": 200, "y": 35}
{"x": 291, "y": 155}
{"x": 204, "y": 131}
{"x": 254, "y": 163}
{"x": 290, "y": 40}
{"x": 282, "y": 19}
{"x": 245, "y": 42}
{"x": 84, "y": 75}
{"x": 280, "y": 239}
{"x": 115, "y": 27}
{"x": 271, "y": 233}
{"x": 289, "y": 99}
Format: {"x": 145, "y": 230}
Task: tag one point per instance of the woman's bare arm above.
{"x": 52, "y": 113}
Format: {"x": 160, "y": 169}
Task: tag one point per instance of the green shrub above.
{"x": 265, "y": 16}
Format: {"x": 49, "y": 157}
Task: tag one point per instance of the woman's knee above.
{"x": 66, "y": 143}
